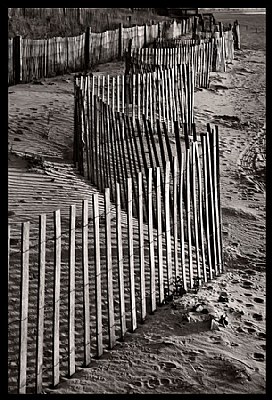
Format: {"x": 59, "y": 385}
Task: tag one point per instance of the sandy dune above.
{"x": 175, "y": 351}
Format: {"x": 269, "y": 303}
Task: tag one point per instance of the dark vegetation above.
{"x": 41, "y": 23}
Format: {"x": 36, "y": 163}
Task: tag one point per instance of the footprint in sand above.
{"x": 258, "y": 317}
{"x": 261, "y": 335}
{"x": 166, "y": 381}
{"x": 258, "y": 356}
{"x": 258, "y": 300}
{"x": 246, "y": 284}
{"x": 251, "y": 330}
{"x": 250, "y": 272}
{"x": 152, "y": 382}
{"x": 167, "y": 365}
{"x": 138, "y": 383}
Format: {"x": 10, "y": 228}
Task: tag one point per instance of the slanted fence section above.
{"x": 166, "y": 95}
{"x": 111, "y": 147}
{"x": 196, "y": 53}
{"x": 218, "y": 47}
{"x": 35, "y": 59}
{"x": 91, "y": 272}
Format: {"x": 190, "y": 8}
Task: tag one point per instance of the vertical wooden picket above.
{"x": 111, "y": 322}
{"x": 141, "y": 246}
{"x": 206, "y": 204}
{"x": 218, "y": 195}
{"x": 120, "y": 262}
{"x": 40, "y": 303}
{"x": 159, "y": 235}
{"x": 216, "y": 202}
{"x": 195, "y": 216}
{"x": 168, "y": 228}
{"x": 175, "y": 217}
{"x": 98, "y": 302}
{"x": 151, "y": 243}
{"x": 211, "y": 201}
{"x": 23, "y": 308}
{"x": 131, "y": 256}
{"x": 71, "y": 298}
{"x": 56, "y": 300}
{"x": 188, "y": 193}
{"x": 200, "y": 211}
{"x": 183, "y": 266}
{"x": 86, "y": 285}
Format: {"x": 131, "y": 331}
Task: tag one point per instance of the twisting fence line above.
{"x": 196, "y": 53}
{"x": 35, "y": 59}
{"x": 167, "y": 95}
{"x": 159, "y": 234}
{"x": 110, "y": 146}
{"x": 206, "y": 55}
{"x": 80, "y": 295}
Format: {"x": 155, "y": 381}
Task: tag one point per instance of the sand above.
{"x": 178, "y": 349}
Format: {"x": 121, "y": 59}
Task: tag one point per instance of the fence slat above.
{"x": 98, "y": 303}
{"x": 86, "y": 285}
{"x": 168, "y": 228}
{"x": 219, "y": 201}
{"x": 151, "y": 243}
{"x": 120, "y": 262}
{"x": 40, "y": 303}
{"x": 134, "y": 163}
{"x": 188, "y": 193}
{"x": 216, "y": 202}
{"x": 141, "y": 246}
{"x": 159, "y": 235}
{"x": 206, "y": 204}
{"x": 23, "y": 308}
{"x": 56, "y": 300}
{"x": 111, "y": 322}
{"x": 71, "y": 298}
{"x": 195, "y": 217}
{"x": 182, "y": 232}
{"x": 131, "y": 257}
{"x": 200, "y": 210}
{"x": 175, "y": 218}
{"x": 119, "y": 159}
{"x": 211, "y": 201}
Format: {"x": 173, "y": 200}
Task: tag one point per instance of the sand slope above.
{"x": 175, "y": 351}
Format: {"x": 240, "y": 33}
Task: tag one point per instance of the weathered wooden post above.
{"x": 120, "y": 42}
{"x": 236, "y": 35}
{"x": 195, "y": 27}
{"x": 128, "y": 94}
{"x": 17, "y": 59}
{"x": 145, "y": 35}
{"x": 221, "y": 28}
{"x": 79, "y": 16}
{"x": 87, "y": 49}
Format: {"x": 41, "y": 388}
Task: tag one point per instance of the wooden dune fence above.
{"x": 110, "y": 146}
{"x": 167, "y": 95}
{"x": 86, "y": 275}
{"x": 30, "y": 59}
{"x": 205, "y": 55}
{"x": 223, "y": 43}
{"x": 198, "y": 54}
